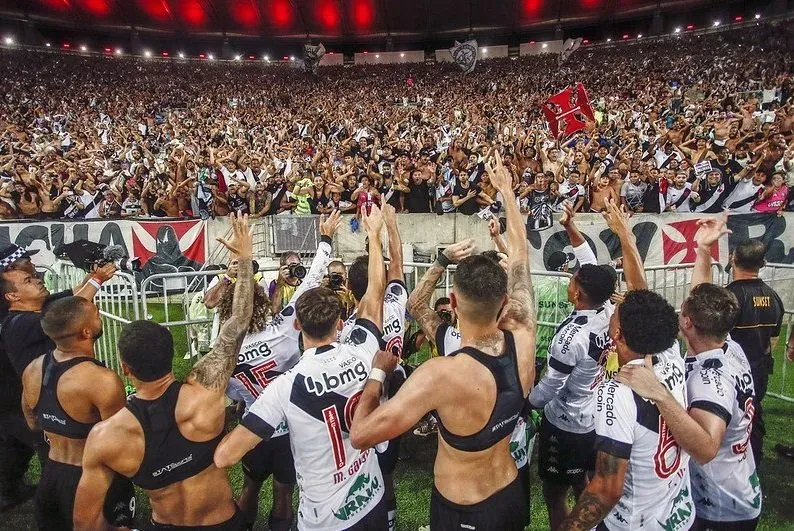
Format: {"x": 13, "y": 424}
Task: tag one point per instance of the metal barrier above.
{"x": 672, "y": 281}
{"x": 783, "y": 389}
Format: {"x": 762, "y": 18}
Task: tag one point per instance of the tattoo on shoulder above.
{"x": 491, "y": 344}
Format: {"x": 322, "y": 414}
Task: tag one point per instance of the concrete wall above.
{"x": 537, "y": 48}
{"x": 332, "y": 59}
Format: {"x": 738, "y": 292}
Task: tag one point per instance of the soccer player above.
{"x": 265, "y": 355}
{"x": 394, "y": 303}
{"x": 476, "y": 480}
{"x": 578, "y": 355}
{"x": 66, "y": 391}
{"x": 340, "y": 487}
{"x": 164, "y": 440}
{"x": 714, "y": 426}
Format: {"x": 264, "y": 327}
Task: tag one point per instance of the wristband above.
{"x": 442, "y": 260}
{"x": 96, "y": 283}
{"x": 378, "y": 375}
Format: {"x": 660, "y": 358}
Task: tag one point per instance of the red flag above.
{"x": 564, "y": 110}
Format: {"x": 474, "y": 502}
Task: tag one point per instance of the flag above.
{"x": 565, "y": 111}
{"x": 465, "y": 55}
{"x": 311, "y": 57}
{"x": 570, "y": 46}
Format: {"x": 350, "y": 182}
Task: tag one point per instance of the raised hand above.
{"x": 711, "y": 230}
{"x": 373, "y": 221}
{"x": 494, "y": 228}
{"x": 242, "y": 243}
{"x": 460, "y": 250}
{"x": 389, "y": 215}
{"x": 567, "y": 213}
{"x": 330, "y": 224}
{"x": 617, "y": 219}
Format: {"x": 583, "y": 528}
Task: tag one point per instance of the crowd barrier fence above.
{"x": 175, "y": 300}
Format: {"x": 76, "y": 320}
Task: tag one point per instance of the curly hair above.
{"x": 261, "y": 314}
{"x": 648, "y": 322}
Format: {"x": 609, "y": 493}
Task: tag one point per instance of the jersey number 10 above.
{"x": 665, "y": 464}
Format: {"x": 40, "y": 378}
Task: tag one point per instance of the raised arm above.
{"x": 395, "y": 243}
{"x": 711, "y": 230}
{"x": 618, "y": 221}
{"x": 214, "y": 370}
{"x": 520, "y": 310}
{"x": 319, "y": 265}
{"x": 371, "y": 305}
{"x": 419, "y": 300}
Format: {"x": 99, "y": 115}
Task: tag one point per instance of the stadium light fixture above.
{"x": 639, "y": 36}
{"x": 402, "y": 55}
{"x": 119, "y": 51}
{"x": 738, "y": 18}
{"x": 625, "y": 35}
{"x": 377, "y": 56}
{"x": 83, "y": 48}
{"x": 236, "y": 57}
{"x": 291, "y": 57}
{"x": 67, "y": 45}
{"x": 47, "y": 44}
{"x": 181, "y": 55}
{"x": 690, "y": 26}
{"x": 147, "y": 53}
{"x": 757, "y": 16}
{"x": 545, "y": 45}
{"x": 609, "y": 39}
{"x": 9, "y": 40}
{"x": 211, "y": 57}
{"x": 678, "y": 29}
{"x": 165, "y": 54}
{"x": 485, "y": 50}
{"x": 266, "y": 58}
{"x": 716, "y": 23}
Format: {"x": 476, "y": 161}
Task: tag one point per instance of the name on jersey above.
{"x": 253, "y": 352}
{"x": 354, "y": 467}
{"x": 327, "y": 382}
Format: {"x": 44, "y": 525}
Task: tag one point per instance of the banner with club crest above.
{"x": 465, "y": 55}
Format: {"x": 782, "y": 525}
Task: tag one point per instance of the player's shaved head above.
{"x": 67, "y": 317}
{"x": 480, "y": 288}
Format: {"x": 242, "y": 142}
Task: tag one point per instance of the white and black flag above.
{"x": 568, "y": 47}
{"x": 465, "y": 55}
{"x": 311, "y": 57}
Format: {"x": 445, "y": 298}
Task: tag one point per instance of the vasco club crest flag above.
{"x": 565, "y": 111}
{"x": 311, "y": 57}
{"x": 465, "y": 55}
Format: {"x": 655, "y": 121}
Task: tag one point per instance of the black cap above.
{"x": 11, "y": 254}
{"x": 557, "y": 261}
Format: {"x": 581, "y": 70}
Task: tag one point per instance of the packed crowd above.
{"x": 696, "y": 124}
{"x": 644, "y": 436}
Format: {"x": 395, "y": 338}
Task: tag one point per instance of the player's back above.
{"x": 338, "y": 484}
{"x": 727, "y": 487}
{"x": 656, "y": 492}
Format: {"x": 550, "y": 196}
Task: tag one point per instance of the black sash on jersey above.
{"x": 683, "y": 198}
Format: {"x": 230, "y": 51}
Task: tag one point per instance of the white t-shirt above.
{"x": 742, "y": 197}
{"x": 725, "y": 489}
{"x": 656, "y": 490}
{"x": 339, "y": 485}
{"x": 679, "y": 198}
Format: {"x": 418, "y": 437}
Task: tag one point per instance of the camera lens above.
{"x": 297, "y": 271}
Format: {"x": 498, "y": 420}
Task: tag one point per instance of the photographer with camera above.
{"x": 290, "y": 275}
{"x": 336, "y": 280}
{"x": 23, "y": 298}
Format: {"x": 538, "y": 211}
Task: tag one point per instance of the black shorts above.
{"x": 235, "y": 523}
{"x": 376, "y": 520}
{"x": 273, "y": 456}
{"x": 563, "y": 457}
{"x": 505, "y": 510}
{"x": 54, "y": 505}
{"x": 702, "y": 524}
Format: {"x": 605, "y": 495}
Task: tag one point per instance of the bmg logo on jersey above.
{"x": 253, "y": 352}
{"x": 329, "y": 382}
{"x": 392, "y": 328}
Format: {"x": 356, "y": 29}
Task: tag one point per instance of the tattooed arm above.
{"x": 214, "y": 370}
{"x": 601, "y": 495}
{"x": 419, "y": 301}
{"x": 519, "y": 314}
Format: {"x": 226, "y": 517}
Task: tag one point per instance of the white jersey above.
{"x": 339, "y": 485}
{"x": 742, "y": 197}
{"x": 656, "y": 490}
{"x": 679, "y": 198}
{"x": 448, "y": 341}
{"x": 726, "y": 489}
{"x": 267, "y": 354}
{"x": 576, "y": 357}
{"x": 395, "y": 300}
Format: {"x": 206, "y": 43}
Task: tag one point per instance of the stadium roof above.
{"x": 343, "y": 21}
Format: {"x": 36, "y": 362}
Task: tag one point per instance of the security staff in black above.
{"x": 758, "y": 326}
{"x": 165, "y": 438}
{"x": 65, "y": 393}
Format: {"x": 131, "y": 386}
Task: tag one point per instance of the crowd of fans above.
{"x": 698, "y": 124}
